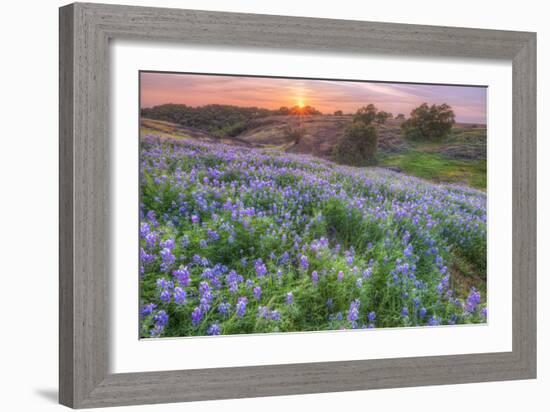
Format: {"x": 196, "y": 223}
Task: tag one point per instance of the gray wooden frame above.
{"x": 85, "y": 31}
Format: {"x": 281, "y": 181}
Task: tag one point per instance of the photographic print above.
{"x": 274, "y": 205}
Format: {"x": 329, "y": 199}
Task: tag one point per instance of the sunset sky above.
{"x": 468, "y": 103}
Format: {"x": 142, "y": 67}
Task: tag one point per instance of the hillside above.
{"x": 461, "y": 158}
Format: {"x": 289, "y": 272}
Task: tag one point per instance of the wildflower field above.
{"x": 238, "y": 240}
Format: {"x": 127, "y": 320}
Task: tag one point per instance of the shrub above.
{"x": 430, "y": 123}
{"x": 338, "y": 113}
{"x": 366, "y": 114}
{"x": 381, "y": 117}
{"x": 294, "y": 134}
{"x": 358, "y": 145}
{"x": 400, "y": 116}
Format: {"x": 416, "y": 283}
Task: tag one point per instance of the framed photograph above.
{"x": 256, "y": 205}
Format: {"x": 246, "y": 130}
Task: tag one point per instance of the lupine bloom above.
{"x": 148, "y": 309}
{"x": 353, "y": 313}
{"x": 483, "y": 313}
{"x": 224, "y": 308}
{"x": 408, "y": 251}
{"x": 144, "y": 229}
{"x": 213, "y": 235}
{"x": 168, "y": 244}
{"x": 474, "y": 298}
{"x": 261, "y": 270}
{"x": 275, "y": 315}
{"x": 371, "y": 316}
{"x": 196, "y": 316}
{"x": 314, "y": 277}
{"x": 194, "y": 219}
{"x": 289, "y": 298}
{"x": 304, "y": 262}
{"x": 160, "y": 321}
{"x": 433, "y": 321}
{"x": 241, "y": 306}
{"x": 168, "y": 259}
{"x": 162, "y": 283}
{"x": 404, "y": 312}
{"x": 151, "y": 239}
{"x": 422, "y": 312}
{"x": 340, "y": 276}
{"x": 180, "y": 296}
{"x": 263, "y": 312}
{"x": 165, "y": 296}
{"x": 182, "y": 276}
{"x": 257, "y": 292}
{"x": 214, "y": 329}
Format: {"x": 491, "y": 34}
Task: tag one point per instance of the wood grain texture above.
{"x": 85, "y": 31}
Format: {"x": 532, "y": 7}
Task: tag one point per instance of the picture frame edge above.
{"x": 84, "y": 378}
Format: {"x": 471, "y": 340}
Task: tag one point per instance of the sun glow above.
{"x": 300, "y": 103}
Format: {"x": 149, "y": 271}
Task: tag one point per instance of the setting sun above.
{"x": 300, "y": 103}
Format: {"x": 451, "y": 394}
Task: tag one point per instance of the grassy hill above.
{"x": 460, "y": 159}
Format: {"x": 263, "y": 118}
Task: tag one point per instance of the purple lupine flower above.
{"x": 404, "y": 312}
{"x": 371, "y": 316}
{"x": 240, "y": 307}
{"x": 408, "y": 251}
{"x": 148, "y": 309}
{"x": 275, "y": 315}
{"x": 353, "y": 313}
{"x": 182, "y": 276}
{"x": 214, "y": 329}
{"x": 163, "y": 284}
{"x": 359, "y": 283}
{"x": 168, "y": 259}
{"x": 194, "y": 219}
{"x": 151, "y": 239}
{"x": 367, "y": 274}
{"x": 263, "y": 312}
{"x": 145, "y": 257}
{"x": 205, "y": 296}
{"x": 196, "y": 316}
{"x": 203, "y": 244}
{"x": 304, "y": 262}
{"x": 314, "y": 277}
{"x": 161, "y": 318}
{"x": 180, "y": 296}
{"x": 330, "y": 302}
{"x": 483, "y": 313}
{"x": 165, "y": 296}
{"x": 168, "y": 244}
{"x": 473, "y": 300}
{"x": 261, "y": 270}
{"x": 289, "y": 298}
{"x": 213, "y": 235}
{"x": 340, "y": 276}
{"x": 144, "y": 229}
{"x": 422, "y": 312}
{"x": 224, "y": 308}
{"x": 257, "y": 292}
{"x": 433, "y": 321}
{"x": 185, "y": 241}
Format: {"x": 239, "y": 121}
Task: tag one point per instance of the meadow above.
{"x": 238, "y": 237}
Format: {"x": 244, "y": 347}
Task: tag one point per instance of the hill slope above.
{"x": 461, "y": 158}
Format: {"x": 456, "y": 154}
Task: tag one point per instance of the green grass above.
{"x": 435, "y": 167}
